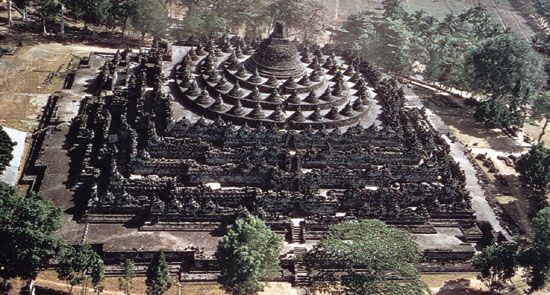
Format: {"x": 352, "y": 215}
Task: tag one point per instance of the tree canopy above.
{"x": 305, "y": 17}
{"x": 91, "y": 12}
{"x": 386, "y": 42}
{"x": 508, "y": 71}
{"x": 535, "y": 256}
{"x": 534, "y": 167}
{"x": 27, "y": 231}
{"x": 496, "y": 264}
{"x": 542, "y": 7}
{"x": 149, "y": 17}
{"x": 247, "y": 14}
{"x": 204, "y": 20}
{"x": 6, "y": 149}
{"x": 378, "y": 259}
{"x": 392, "y": 45}
{"x": 125, "y": 282}
{"x": 78, "y": 265}
{"x": 495, "y": 114}
{"x": 248, "y": 253}
{"x": 356, "y": 33}
{"x": 506, "y": 66}
{"x": 158, "y": 276}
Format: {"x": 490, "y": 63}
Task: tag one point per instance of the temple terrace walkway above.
{"x": 483, "y": 209}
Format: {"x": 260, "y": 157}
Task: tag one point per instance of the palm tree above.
{"x": 475, "y": 12}
{"x": 449, "y": 25}
{"x": 428, "y": 33}
{"x": 417, "y": 22}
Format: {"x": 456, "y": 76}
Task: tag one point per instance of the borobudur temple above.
{"x": 163, "y": 147}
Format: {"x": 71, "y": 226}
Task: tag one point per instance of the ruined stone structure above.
{"x": 280, "y": 136}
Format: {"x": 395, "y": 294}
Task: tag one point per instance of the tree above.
{"x": 494, "y": 114}
{"x": 393, "y": 9}
{"x": 78, "y": 265}
{"x": 541, "y": 43}
{"x": 48, "y": 9}
{"x": 248, "y": 253}
{"x": 446, "y": 59}
{"x": 305, "y": 17}
{"x": 6, "y": 149}
{"x": 23, "y": 4}
{"x": 496, "y": 264}
{"x": 91, "y": 12}
{"x": 534, "y": 167}
{"x": 126, "y": 282}
{"x": 149, "y": 17}
{"x": 446, "y": 43}
{"x": 392, "y": 45}
{"x": 27, "y": 231}
{"x": 386, "y": 42}
{"x": 204, "y": 20}
{"x": 542, "y": 7}
{"x": 540, "y": 110}
{"x": 535, "y": 256}
{"x": 158, "y": 277}
{"x": 506, "y": 67}
{"x": 508, "y": 71}
{"x": 372, "y": 255}
{"x": 244, "y": 14}
{"x": 120, "y": 12}
{"x": 357, "y": 33}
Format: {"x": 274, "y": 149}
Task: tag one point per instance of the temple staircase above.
{"x": 301, "y": 276}
{"x": 297, "y": 231}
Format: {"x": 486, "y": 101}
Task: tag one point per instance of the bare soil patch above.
{"x": 49, "y": 280}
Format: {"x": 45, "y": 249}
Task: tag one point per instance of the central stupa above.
{"x": 276, "y": 56}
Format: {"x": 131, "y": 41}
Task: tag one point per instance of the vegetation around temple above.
{"x": 28, "y": 228}
{"x": 158, "y": 275}
{"x": 6, "y": 149}
{"x": 497, "y": 265}
{"x": 375, "y": 259}
{"x": 80, "y": 265}
{"x": 126, "y": 281}
{"x": 534, "y": 167}
{"x": 248, "y": 254}
{"x": 467, "y": 51}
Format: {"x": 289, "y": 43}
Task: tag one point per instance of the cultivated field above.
{"x": 503, "y": 11}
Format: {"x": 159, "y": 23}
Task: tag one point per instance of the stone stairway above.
{"x": 297, "y": 234}
{"x": 301, "y": 277}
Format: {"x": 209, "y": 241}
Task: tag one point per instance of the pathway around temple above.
{"x": 483, "y": 209}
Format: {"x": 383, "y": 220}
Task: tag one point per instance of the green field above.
{"x": 502, "y": 11}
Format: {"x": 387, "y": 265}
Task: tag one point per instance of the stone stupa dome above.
{"x": 276, "y": 56}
